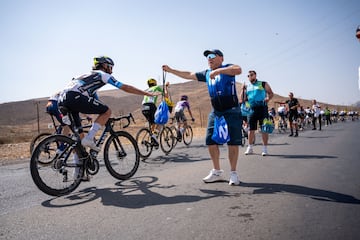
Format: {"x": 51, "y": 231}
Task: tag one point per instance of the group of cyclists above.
{"x": 149, "y": 108}
{"x": 306, "y": 116}
{"x": 80, "y": 97}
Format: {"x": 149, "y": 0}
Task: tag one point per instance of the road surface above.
{"x": 308, "y": 188}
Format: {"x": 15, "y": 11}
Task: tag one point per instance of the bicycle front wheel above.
{"x": 143, "y": 139}
{"x": 174, "y": 131}
{"x": 35, "y": 141}
{"x": 50, "y": 166}
{"x": 121, "y": 155}
{"x": 166, "y": 140}
{"x": 188, "y": 135}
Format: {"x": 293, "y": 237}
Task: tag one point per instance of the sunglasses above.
{"x": 250, "y": 75}
{"x": 211, "y": 56}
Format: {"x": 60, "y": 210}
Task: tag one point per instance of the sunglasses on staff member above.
{"x": 211, "y": 56}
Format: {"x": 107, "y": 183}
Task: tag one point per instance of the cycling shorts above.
{"x": 148, "y": 110}
{"x": 79, "y": 103}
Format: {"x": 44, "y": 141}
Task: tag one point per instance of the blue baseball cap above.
{"x": 214, "y": 51}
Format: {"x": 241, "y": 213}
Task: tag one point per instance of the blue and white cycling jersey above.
{"x": 88, "y": 84}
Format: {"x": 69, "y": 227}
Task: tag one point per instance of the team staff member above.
{"x": 293, "y": 105}
{"x": 220, "y": 79}
{"x": 258, "y": 94}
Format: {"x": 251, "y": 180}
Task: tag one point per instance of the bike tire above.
{"x": 188, "y": 135}
{"x": 243, "y": 137}
{"x": 166, "y": 140}
{"x": 121, "y": 155}
{"x": 174, "y": 131}
{"x": 35, "y": 141}
{"x": 143, "y": 139}
{"x": 50, "y": 170}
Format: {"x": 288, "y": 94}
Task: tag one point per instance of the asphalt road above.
{"x": 308, "y": 188}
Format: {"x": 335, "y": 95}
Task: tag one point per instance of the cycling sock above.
{"x": 75, "y": 158}
{"x": 93, "y": 130}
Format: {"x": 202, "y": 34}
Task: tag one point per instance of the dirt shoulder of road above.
{"x": 20, "y": 152}
{"x": 14, "y": 153}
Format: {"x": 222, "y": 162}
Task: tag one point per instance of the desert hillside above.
{"x": 22, "y": 120}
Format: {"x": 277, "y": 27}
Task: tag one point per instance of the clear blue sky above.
{"x": 304, "y": 46}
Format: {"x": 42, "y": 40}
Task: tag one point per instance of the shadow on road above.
{"x": 317, "y": 194}
{"x": 301, "y": 156}
{"x": 134, "y": 193}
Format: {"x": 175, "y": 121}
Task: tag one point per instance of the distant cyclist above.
{"x": 149, "y": 105}
{"x": 52, "y": 108}
{"x": 180, "y": 116}
{"x": 282, "y": 112}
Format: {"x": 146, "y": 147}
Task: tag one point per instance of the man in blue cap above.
{"x": 220, "y": 79}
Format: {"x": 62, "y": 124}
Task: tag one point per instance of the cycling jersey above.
{"x": 291, "y": 103}
{"x": 152, "y": 99}
{"x": 181, "y": 105}
{"x": 281, "y": 109}
{"x": 88, "y": 84}
{"x": 256, "y": 93}
{"x": 222, "y": 89}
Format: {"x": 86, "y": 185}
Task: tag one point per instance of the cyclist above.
{"x": 293, "y": 105}
{"x": 53, "y": 109}
{"x": 180, "y": 116}
{"x": 282, "y": 114}
{"x": 149, "y": 105}
{"x": 80, "y": 97}
{"x": 272, "y": 114}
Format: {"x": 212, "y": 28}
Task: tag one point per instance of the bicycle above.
{"x": 147, "y": 143}
{"x": 58, "y": 129}
{"x": 282, "y": 125}
{"x": 186, "y": 134}
{"x": 49, "y": 166}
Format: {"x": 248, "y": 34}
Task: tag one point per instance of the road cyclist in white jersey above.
{"x": 180, "y": 115}
{"x": 80, "y": 97}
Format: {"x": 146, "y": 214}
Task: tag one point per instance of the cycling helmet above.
{"x": 184, "y": 97}
{"x": 102, "y": 59}
{"x": 151, "y": 82}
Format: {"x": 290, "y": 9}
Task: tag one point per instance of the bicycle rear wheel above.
{"x": 121, "y": 155}
{"x": 35, "y": 141}
{"x": 166, "y": 140}
{"x": 51, "y": 169}
{"x": 143, "y": 139}
{"x": 188, "y": 135}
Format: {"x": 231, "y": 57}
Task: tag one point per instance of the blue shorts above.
{"x": 234, "y": 121}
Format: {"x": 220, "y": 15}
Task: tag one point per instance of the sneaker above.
{"x": 291, "y": 134}
{"x": 90, "y": 143}
{"x": 85, "y": 177}
{"x": 234, "y": 179}
{"x": 264, "y": 152}
{"x": 249, "y": 150}
{"x": 296, "y": 134}
{"x": 214, "y": 176}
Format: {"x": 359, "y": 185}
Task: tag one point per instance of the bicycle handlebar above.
{"x": 129, "y": 117}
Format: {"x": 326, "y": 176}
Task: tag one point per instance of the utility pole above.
{"x": 38, "y": 116}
